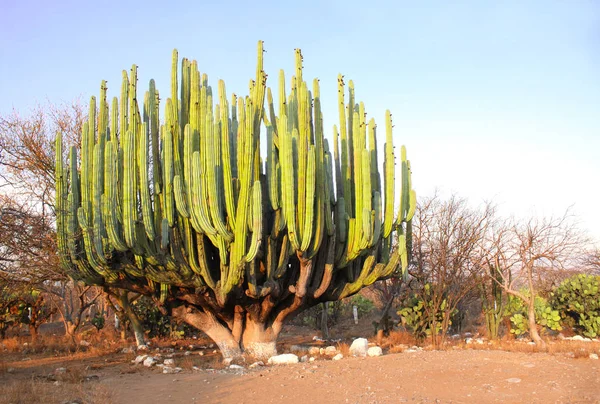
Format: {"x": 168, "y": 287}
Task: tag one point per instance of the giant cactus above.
{"x": 228, "y": 240}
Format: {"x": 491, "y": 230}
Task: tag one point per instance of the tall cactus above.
{"x": 185, "y": 211}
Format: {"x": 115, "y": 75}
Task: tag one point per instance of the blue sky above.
{"x": 494, "y": 100}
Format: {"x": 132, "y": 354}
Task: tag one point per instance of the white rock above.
{"x": 479, "y": 340}
{"x": 201, "y": 353}
{"x": 127, "y": 350}
{"x": 139, "y": 359}
{"x": 149, "y": 361}
{"x": 304, "y": 358}
{"x": 235, "y": 367}
{"x": 375, "y": 351}
{"x": 469, "y": 340}
{"x": 171, "y": 370}
{"x": 169, "y": 362}
{"x": 299, "y": 348}
{"x": 142, "y": 347}
{"x": 594, "y": 356}
{"x": 359, "y": 347}
{"x": 330, "y": 350}
{"x": 256, "y": 364}
{"x": 314, "y": 350}
{"x": 311, "y": 359}
{"x": 187, "y": 353}
{"x": 227, "y": 361}
{"x": 338, "y": 357}
{"x": 283, "y": 359}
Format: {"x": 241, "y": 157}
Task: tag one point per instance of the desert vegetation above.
{"x": 227, "y": 218}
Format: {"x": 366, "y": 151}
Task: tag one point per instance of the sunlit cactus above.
{"x": 228, "y": 240}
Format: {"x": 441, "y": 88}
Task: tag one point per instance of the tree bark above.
{"x": 136, "y": 324}
{"x": 208, "y": 323}
{"x": 533, "y": 332}
{"x": 259, "y": 341}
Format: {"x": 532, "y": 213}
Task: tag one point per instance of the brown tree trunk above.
{"x": 33, "y": 331}
{"x": 533, "y": 333}
{"x": 136, "y": 324}
{"x": 208, "y": 323}
{"x": 258, "y": 341}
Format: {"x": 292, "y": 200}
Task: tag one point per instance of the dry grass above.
{"x": 32, "y": 391}
{"x": 396, "y": 338}
{"x": 343, "y": 348}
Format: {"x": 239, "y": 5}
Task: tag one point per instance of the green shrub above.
{"x": 577, "y": 299}
{"x": 420, "y": 315}
{"x": 545, "y": 315}
{"x": 157, "y": 324}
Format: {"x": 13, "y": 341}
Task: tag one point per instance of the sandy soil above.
{"x": 453, "y": 376}
{"x": 462, "y": 376}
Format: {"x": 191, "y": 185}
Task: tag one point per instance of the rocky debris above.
{"x": 314, "y": 350}
{"x": 578, "y": 338}
{"x": 139, "y": 359}
{"x": 171, "y": 370}
{"x": 359, "y": 347}
{"x": 338, "y": 357}
{"x": 469, "y": 341}
{"x": 201, "y": 353}
{"x": 283, "y": 359}
{"x": 10, "y": 370}
{"x": 256, "y": 364}
{"x": 142, "y": 347}
{"x": 594, "y": 356}
{"x": 299, "y": 348}
{"x": 128, "y": 349}
{"x": 374, "y": 351}
{"x": 149, "y": 362}
{"x": 169, "y": 362}
{"x": 311, "y": 359}
{"x": 236, "y": 367}
{"x": 304, "y": 358}
{"x": 329, "y": 351}
{"x": 412, "y": 349}
{"x": 187, "y": 353}
{"x": 227, "y": 361}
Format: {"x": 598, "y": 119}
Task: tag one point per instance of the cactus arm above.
{"x": 144, "y": 183}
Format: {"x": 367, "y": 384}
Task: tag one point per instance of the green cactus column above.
{"x": 184, "y": 208}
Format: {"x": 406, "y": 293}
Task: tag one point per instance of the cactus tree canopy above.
{"x": 185, "y": 209}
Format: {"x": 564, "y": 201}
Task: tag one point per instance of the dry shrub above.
{"x": 578, "y": 348}
{"x": 343, "y": 348}
{"x": 398, "y": 338}
{"x": 31, "y": 391}
{"x": 12, "y": 344}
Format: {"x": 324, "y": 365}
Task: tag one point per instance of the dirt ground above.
{"x": 461, "y": 376}
{"x": 452, "y": 376}
{"x": 479, "y": 373}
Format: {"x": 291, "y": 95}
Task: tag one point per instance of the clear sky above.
{"x": 493, "y": 99}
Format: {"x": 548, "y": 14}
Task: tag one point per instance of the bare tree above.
{"x": 72, "y": 301}
{"x": 527, "y": 253}
{"x": 448, "y": 255}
